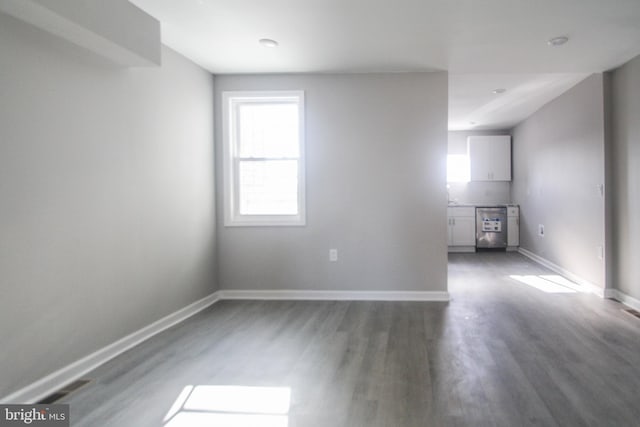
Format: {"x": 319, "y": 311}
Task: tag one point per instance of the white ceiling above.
{"x": 484, "y": 44}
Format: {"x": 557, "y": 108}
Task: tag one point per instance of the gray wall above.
{"x": 476, "y": 192}
{"x": 376, "y": 147}
{"x": 558, "y": 163}
{"x": 624, "y": 175}
{"x": 107, "y": 199}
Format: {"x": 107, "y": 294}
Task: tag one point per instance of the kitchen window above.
{"x": 264, "y": 158}
{"x": 458, "y": 169}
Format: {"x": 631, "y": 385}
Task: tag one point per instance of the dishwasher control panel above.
{"x": 491, "y": 225}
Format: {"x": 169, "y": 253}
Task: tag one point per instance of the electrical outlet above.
{"x": 600, "y": 252}
{"x": 333, "y": 255}
{"x": 541, "y": 230}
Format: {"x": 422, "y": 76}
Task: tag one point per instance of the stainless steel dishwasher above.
{"x": 491, "y": 227}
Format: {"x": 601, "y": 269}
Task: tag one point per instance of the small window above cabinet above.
{"x": 489, "y": 157}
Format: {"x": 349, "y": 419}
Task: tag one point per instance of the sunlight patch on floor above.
{"x": 230, "y": 406}
{"x": 550, "y": 283}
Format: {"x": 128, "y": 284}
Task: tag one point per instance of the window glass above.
{"x": 458, "y": 168}
{"x": 268, "y": 130}
{"x": 263, "y": 158}
{"x": 269, "y": 187}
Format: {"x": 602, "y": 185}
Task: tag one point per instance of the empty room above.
{"x": 319, "y": 213}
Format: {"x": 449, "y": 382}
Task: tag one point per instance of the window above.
{"x": 458, "y": 168}
{"x": 264, "y": 158}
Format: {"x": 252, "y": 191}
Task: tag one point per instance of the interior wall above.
{"x": 624, "y": 173}
{"x": 558, "y": 166}
{"x": 375, "y": 173}
{"x": 480, "y": 192}
{"x": 107, "y": 189}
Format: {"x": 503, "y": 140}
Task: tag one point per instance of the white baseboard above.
{"x": 592, "y": 288}
{"x": 54, "y": 381}
{"x": 602, "y": 293}
{"x": 335, "y": 295}
{"x": 624, "y": 298}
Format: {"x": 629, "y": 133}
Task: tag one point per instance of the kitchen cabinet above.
{"x": 513, "y": 227}
{"x": 489, "y": 157}
{"x": 461, "y": 228}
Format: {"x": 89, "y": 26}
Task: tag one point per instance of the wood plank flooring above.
{"x": 501, "y": 353}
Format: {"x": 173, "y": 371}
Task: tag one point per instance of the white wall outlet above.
{"x": 333, "y": 255}
{"x": 600, "y": 252}
{"x": 541, "y": 230}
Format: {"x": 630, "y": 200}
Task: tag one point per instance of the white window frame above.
{"x": 232, "y": 216}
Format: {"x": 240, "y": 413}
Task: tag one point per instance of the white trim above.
{"x": 52, "y": 382}
{"x": 591, "y": 287}
{"x": 232, "y": 218}
{"x": 286, "y": 294}
{"x": 624, "y": 298}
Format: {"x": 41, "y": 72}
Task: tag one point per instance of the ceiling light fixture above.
{"x": 558, "y": 41}
{"x": 268, "y": 42}
{"x": 499, "y": 90}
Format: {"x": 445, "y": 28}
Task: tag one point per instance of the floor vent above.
{"x": 632, "y": 312}
{"x": 54, "y": 397}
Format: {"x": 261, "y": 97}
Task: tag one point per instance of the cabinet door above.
{"x": 513, "y": 231}
{"x": 489, "y": 157}
{"x": 501, "y": 158}
{"x": 479, "y": 151}
{"x": 450, "y": 231}
{"x": 464, "y": 231}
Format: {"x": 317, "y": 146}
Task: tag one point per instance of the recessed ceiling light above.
{"x": 558, "y": 41}
{"x": 499, "y": 90}
{"x": 268, "y": 42}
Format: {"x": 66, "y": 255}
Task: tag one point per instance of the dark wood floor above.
{"x": 501, "y": 353}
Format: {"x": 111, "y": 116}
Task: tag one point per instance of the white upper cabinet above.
{"x": 489, "y": 157}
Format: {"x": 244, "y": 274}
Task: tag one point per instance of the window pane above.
{"x": 458, "y": 168}
{"x": 268, "y": 187}
{"x": 268, "y": 130}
